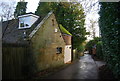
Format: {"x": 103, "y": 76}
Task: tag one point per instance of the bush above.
{"x": 99, "y": 50}
{"x": 109, "y": 23}
{"x": 81, "y": 48}
{"x": 91, "y": 43}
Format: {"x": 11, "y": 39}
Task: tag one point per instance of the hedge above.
{"x": 109, "y": 23}
{"x": 99, "y": 52}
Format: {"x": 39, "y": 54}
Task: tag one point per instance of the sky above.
{"x": 92, "y": 15}
{"x": 32, "y": 5}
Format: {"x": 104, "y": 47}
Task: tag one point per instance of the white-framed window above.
{"x": 27, "y": 20}
{"x": 23, "y": 25}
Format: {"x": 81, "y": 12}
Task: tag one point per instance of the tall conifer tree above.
{"x": 20, "y": 8}
{"x": 43, "y": 9}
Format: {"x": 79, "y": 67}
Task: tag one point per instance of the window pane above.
{"x": 21, "y": 24}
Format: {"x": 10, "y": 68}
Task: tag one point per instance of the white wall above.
{"x": 67, "y": 55}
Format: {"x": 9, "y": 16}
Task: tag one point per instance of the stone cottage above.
{"x": 34, "y": 44}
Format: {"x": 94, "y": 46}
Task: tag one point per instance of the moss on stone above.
{"x": 63, "y": 30}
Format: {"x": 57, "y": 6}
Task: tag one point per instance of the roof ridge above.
{"x": 39, "y": 25}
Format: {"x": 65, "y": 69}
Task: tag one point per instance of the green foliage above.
{"x": 89, "y": 46}
{"x": 43, "y": 9}
{"x": 81, "y": 48}
{"x": 99, "y": 50}
{"x": 91, "y": 43}
{"x": 109, "y": 23}
{"x": 20, "y": 9}
{"x": 64, "y": 30}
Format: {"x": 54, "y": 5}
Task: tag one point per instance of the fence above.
{"x": 16, "y": 62}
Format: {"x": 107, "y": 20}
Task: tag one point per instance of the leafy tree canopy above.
{"x": 109, "y": 23}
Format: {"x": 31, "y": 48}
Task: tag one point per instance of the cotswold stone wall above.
{"x": 44, "y": 44}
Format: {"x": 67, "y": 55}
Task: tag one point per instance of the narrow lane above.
{"x": 85, "y": 68}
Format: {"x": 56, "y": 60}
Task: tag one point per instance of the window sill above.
{"x": 23, "y": 27}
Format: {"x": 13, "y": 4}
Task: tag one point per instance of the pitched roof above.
{"x": 14, "y": 35}
{"x": 64, "y": 31}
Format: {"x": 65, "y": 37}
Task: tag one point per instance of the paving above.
{"x": 84, "y": 68}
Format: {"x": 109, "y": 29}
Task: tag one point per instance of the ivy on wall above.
{"x": 109, "y": 23}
